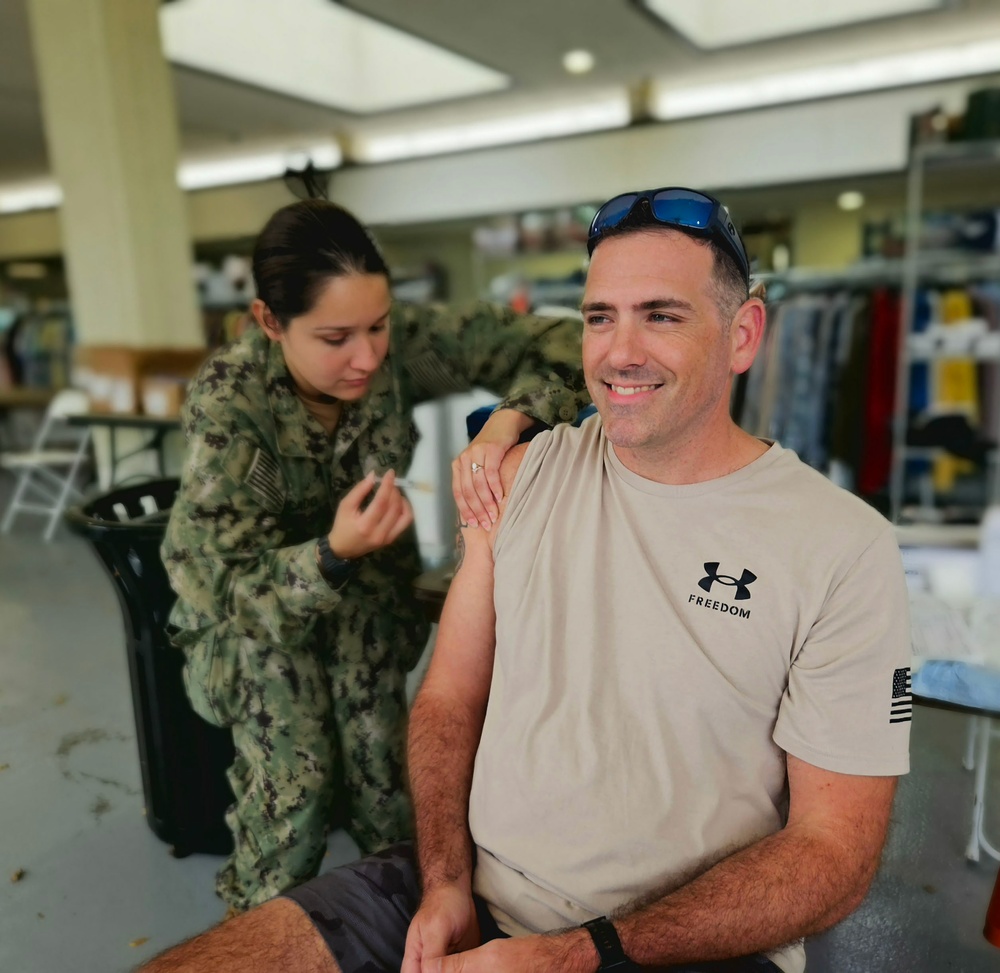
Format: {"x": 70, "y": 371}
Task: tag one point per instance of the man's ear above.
{"x": 266, "y": 319}
{"x": 746, "y": 333}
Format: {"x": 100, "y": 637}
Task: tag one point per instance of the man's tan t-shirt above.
{"x": 659, "y": 650}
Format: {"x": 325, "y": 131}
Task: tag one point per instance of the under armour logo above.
{"x": 742, "y": 584}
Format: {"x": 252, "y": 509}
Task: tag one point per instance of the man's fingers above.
{"x": 456, "y": 963}
{"x": 412, "y": 951}
{"x": 426, "y": 941}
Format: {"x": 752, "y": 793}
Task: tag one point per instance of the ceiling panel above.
{"x": 523, "y": 39}
{"x": 320, "y": 52}
{"x": 712, "y": 24}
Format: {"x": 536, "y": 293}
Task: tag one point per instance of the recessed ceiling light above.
{"x": 852, "y": 199}
{"x": 578, "y": 62}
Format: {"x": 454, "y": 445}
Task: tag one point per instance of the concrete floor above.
{"x": 100, "y": 893}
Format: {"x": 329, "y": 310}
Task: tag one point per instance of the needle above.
{"x": 405, "y": 483}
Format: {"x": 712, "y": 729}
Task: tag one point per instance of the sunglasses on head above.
{"x": 688, "y": 209}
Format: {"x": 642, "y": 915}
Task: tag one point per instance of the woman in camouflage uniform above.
{"x": 293, "y": 571}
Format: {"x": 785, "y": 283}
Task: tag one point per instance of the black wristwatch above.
{"x": 336, "y": 571}
{"x": 613, "y": 957}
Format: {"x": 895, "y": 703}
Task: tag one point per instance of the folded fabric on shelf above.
{"x": 961, "y": 683}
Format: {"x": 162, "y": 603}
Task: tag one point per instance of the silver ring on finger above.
{"x": 476, "y": 467}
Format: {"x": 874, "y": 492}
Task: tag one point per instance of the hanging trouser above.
{"x": 315, "y": 729}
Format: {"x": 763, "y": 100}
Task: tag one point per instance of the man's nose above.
{"x": 626, "y": 347}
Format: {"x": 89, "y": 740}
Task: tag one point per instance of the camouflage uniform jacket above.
{"x": 262, "y": 478}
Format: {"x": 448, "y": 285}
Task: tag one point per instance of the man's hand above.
{"x": 356, "y": 531}
{"x": 571, "y": 952}
{"x": 478, "y": 494}
{"x": 445, "y": 923}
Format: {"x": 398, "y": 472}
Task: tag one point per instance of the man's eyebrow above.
{"x": 657, "y": 304}
{"x": 664, "y": 303}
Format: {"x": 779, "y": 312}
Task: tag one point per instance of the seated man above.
{"x": 670, "y": 687}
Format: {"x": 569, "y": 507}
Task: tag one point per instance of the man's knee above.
{"x": 273, "y": 938}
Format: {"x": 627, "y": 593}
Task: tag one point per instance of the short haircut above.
{"x": 729, "y": 287}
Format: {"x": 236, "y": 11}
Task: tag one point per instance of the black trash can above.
{"x": 183, "y": 758}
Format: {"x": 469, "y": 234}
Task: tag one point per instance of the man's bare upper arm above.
{"x": 849, "y": 811}
{"x": 462, "y": 664}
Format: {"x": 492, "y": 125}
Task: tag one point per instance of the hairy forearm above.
{"x": 786, "y": 886}
{"x": 441, "y": 752}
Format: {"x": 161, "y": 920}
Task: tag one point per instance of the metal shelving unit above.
{"x": 942, "y": 268}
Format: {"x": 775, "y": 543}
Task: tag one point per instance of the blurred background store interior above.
{"x": 144, "y": 144}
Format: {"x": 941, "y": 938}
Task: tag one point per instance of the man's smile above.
{"x": 631, "y": 389}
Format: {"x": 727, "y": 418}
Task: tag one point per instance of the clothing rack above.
{"x": 825, "y": 377}
{"x": 951, "y": 159}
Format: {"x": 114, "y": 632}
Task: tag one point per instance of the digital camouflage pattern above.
{"x": 312, "y": 680}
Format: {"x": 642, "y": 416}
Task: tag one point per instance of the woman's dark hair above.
{"x": 301, "y": 247}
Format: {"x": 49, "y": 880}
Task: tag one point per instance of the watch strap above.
{"x": 336, "y": 571}
{"x": 609, "y": 946}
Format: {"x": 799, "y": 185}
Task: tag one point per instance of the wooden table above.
{"x": 21, "y": 397}
{"x": 159, "y": 427}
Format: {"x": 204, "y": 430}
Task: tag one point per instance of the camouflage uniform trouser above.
{"x": 320, "y": 741}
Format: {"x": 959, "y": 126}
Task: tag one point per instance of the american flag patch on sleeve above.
{"x": 264, "y": 478}
{"x": 901, "y": 704}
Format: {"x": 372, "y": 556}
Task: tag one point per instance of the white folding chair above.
{"x": 48, "y": 471}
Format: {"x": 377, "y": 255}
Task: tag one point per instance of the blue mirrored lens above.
{"x": 686, "y": 208}
{"x": 613, "y": 212}
{"x": 682, "y": 208}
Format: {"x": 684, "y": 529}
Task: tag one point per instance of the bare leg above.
{"x": 273, "y": 938}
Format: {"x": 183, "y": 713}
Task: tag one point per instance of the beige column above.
{"x": 111, "y": 127}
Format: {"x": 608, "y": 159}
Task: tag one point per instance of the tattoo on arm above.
{"x": 459, "y": 547}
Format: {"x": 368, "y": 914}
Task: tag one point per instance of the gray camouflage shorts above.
{"x": 363, "y": 910}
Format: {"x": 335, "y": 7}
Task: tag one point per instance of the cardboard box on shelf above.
{"x": 112, "y": 375}
{"x": 163, "y": 395}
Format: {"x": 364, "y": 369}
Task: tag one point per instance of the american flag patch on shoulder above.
{"x": 264, "y": 478}
{"x": 901, "y": 704}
